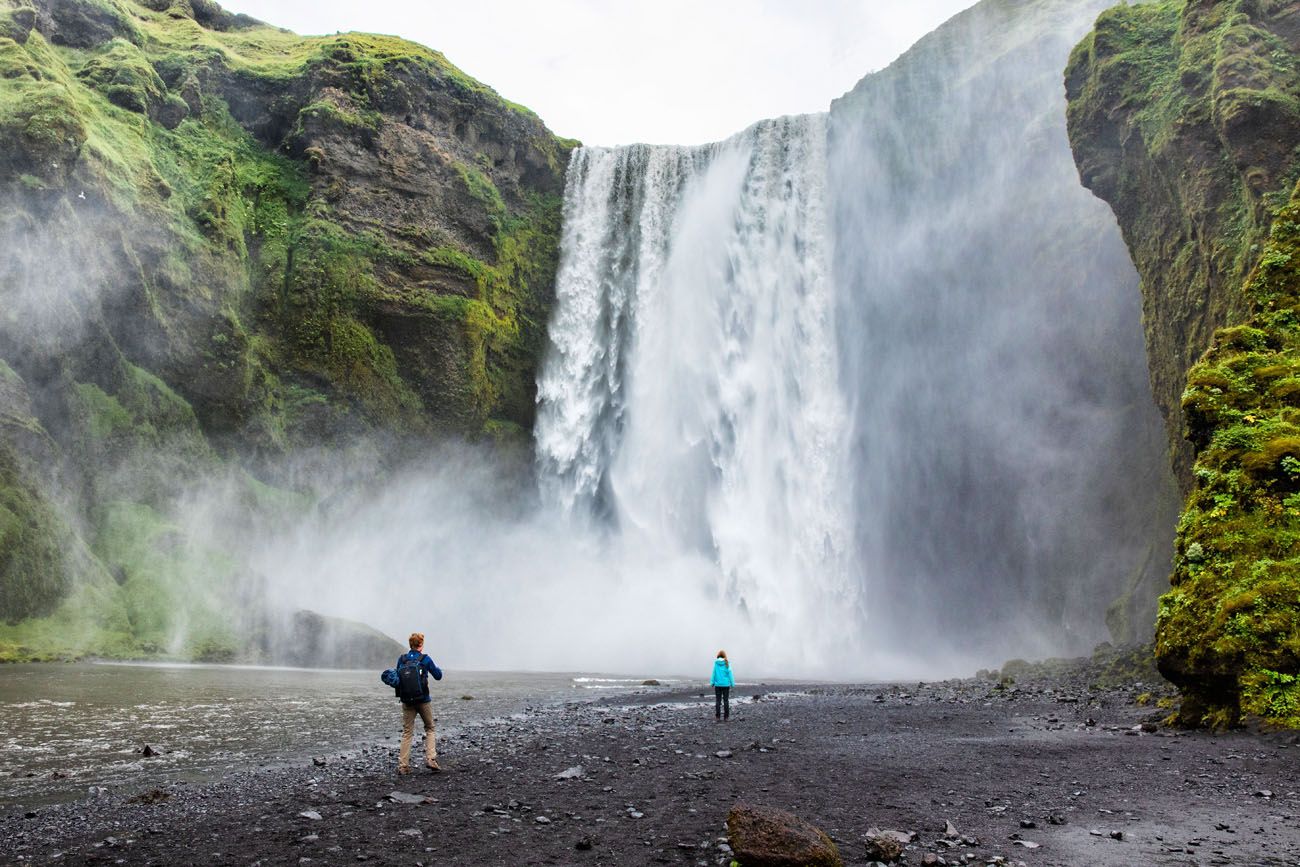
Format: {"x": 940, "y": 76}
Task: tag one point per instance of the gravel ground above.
{"x": 1039, "y": 773}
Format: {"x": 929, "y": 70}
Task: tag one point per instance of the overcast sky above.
{"x": 662, "y": 71}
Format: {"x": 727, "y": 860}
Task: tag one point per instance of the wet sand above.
{"x": 648, "y": 779}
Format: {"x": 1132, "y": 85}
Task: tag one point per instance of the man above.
{"x": 412, "y": 688}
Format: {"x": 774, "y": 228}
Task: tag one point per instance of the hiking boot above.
{"x": 433, "y": 765}
{"x": 403, "y": 771}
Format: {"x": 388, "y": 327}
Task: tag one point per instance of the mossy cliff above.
{"x": 1185, "y": 117}
{"x": 226, "y": 245}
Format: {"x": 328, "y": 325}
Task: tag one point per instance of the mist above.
{"x": 853, "y": 395}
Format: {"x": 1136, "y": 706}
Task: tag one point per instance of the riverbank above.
{"x": 1045, "y": 772}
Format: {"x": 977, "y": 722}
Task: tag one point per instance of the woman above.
{"x": 722, "y": 683}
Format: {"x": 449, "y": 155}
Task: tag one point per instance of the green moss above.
{"x": 121, "y": 72}
{"x": 1228, "y": 630}
{"x": 1183, "y": 116}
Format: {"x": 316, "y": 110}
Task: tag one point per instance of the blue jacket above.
{"x": 722, "y": 673}
{"x": 427, "y": 666}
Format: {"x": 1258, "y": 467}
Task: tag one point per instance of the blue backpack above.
{"x": 389, "y": 677}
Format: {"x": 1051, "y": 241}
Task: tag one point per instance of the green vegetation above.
{"x": 1186, "y": 118}
{"x": 1229, "y": 630}
{"x": 251, "y": 286}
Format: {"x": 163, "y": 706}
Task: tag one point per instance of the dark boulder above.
{"x": 768, "y": 837}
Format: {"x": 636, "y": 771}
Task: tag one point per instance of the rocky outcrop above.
{"x": 226, "y": 246}
{"x": 1185, "y": 117}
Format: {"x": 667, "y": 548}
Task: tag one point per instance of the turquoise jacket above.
{"x": 722, "y": 673}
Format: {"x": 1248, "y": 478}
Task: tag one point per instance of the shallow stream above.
{"x": 68, "y": 729}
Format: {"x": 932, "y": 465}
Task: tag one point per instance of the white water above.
{"x": 690, "y": 399}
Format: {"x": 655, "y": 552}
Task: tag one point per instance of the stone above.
{"x": 148, "y": 752}
{"x": 950, "y": 830}
{"x": 723, "y": 754}
{"x": 584, "y": 844}
{"x": 883, "y": 847}
{"x": 651, "y": 682}
{"x": 406, "y": 797}
{"x": 310, "y": 814}
{"x": 768, "y": 837}
{"x": 572, "y": 773}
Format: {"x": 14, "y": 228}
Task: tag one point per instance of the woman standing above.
{"x": 722, "y": 683}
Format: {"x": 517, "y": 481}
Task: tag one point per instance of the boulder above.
{"x": 768, "y": 837}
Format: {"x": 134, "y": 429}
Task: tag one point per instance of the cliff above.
{"x": 1185, "y": 117}
{"x": 227, "y": 246}
{"x": 1009, "y": 454}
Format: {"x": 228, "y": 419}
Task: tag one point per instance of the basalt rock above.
{"x": 232, "y": 250}
{"x": 1185, "y": 117}
{"x": 768, "y": 837}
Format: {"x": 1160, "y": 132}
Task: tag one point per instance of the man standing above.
{"x": 413, "y": 669}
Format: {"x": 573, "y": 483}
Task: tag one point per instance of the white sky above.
{"x": 663, "y": 71}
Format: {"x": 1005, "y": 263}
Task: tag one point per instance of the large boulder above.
{"x": 768, "y": 837}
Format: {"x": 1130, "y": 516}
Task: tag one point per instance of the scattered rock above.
{"x": 407, "y": 797}
{"x": 723, "y": 754}
{"x": 1117, "y": 835}
{"x": 651, "y": 682}
{"x": 467, "y": 698}
{"x": 153, "y": 796}
{"x": 1028, "y": 844}
{"x": 883, "y": 847}
{"x": 148, "y": 752}
{"x": 572, "y": 773}
{"x": 411, "y": 832}
{"x": 950, "y": 830}
{"x": 310, "y": 814}
{"x": 584, "y": 844}
{"x": 319, "y": 761}
{"x": 768, "y": 837}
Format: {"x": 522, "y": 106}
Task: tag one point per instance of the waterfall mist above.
{"x": 853, "y": 395}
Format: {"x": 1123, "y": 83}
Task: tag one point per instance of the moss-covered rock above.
{"x": 226, "y": 243}
{"x": 1184, "y": 117}
{"x": 1229, "y": 631}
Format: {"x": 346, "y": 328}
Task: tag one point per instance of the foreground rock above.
{"x": 768, "y": 837}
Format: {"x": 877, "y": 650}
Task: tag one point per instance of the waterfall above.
{"x": 690, "y": 401}
{"x": 881, "y": 369}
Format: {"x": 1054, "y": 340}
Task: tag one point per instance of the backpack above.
{"x": 389, "y": 677}
{"x": 410, "y": 679}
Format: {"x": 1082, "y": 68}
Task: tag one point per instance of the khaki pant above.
{"x": 409, "y": 711}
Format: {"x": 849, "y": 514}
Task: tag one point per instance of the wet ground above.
{"x": 1044, "y": 773}
{"x": 67, "y": 728}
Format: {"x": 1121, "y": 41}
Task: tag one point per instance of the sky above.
{"x": 611, "y": 72}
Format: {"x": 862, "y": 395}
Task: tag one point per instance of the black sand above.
{"x": 1057, "y": 765}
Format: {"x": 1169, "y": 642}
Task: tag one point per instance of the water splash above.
{"x": 690, "y": 399}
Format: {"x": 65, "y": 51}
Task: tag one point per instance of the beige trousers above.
{"x": 409, "y": 711}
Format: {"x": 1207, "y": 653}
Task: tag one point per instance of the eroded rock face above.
{"x": 768, "y": 837}
{"x": 1185, "y": 117}
{"x": 230, "y": 248}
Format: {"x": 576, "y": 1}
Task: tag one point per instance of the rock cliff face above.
{"x": 1185, "y": 117}
{"x": 224, "y": 245}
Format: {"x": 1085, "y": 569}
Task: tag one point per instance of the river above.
{"x": 68, "y": 729}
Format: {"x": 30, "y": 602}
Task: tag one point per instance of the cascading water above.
{"x": 690, "y": 399}
{"x": 888, "y": 380}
